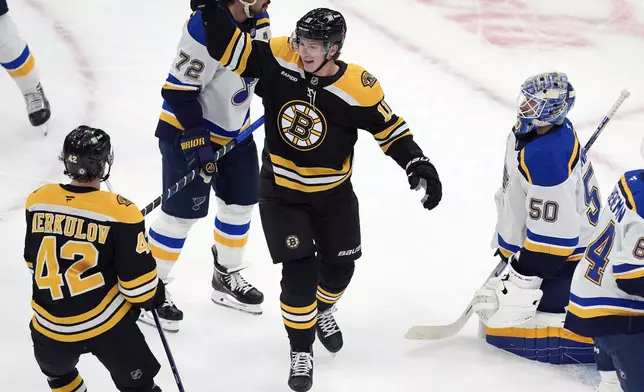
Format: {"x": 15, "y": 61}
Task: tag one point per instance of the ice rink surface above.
{"x": 451, "y": 68}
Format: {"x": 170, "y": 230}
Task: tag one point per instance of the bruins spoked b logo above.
{"x": 302, "y": 125}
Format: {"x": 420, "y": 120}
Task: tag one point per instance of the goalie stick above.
{"x": 431, "y": 332}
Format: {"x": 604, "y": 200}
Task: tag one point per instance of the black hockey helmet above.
{"x": 86, "y": 152}
{"x": 322, "y": 24}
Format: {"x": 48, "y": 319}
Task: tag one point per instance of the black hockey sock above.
{"x": 299, "y": 307}
{"x": 71, "y": 382}
{"x": 334, "y": 279}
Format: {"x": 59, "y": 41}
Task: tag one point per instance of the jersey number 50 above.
{"x": 47, "y": 270}
{"x": 547, "y": 211}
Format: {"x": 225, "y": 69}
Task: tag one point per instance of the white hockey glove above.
{"x": 508, "y": 300}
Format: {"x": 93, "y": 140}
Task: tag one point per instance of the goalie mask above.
{"x": 544, "y": 99}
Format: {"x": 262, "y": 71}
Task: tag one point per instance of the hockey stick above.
{"x": 187, "y": 179}
{"x": 622, "y": 97}
{"x": 168, "y": 194}
{"x": 430, "y": 332}
{"x": 166, "y": 346}
{"x": 168, "y": 353}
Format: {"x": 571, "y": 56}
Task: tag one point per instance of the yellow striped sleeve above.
{"x": 230, "y": 49}
{"x": 248, "y": 48}
{"x": 140, "y": 289}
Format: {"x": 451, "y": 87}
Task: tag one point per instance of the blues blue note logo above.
{"x": 242, "y": 95}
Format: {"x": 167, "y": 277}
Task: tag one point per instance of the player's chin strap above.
{"x": 247, "y": 5}
{"x": 106, "y": 176}
{"x": 326, "y": 59}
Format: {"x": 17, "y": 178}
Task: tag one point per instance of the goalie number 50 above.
{"x": 548, "y": 210}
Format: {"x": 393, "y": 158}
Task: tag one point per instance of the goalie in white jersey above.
{"x": 547, "y": 208}
{"x": 205, "y": 106}
{"x": 607, "y": 292}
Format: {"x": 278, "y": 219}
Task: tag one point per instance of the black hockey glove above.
{"x": 422, "y": 174}
{"x": 207, "y": 6}
{"x": 159, "y": 297}
{"x": 197, "y": 149}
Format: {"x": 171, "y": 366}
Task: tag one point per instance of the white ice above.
{"x": 452, "y": 68}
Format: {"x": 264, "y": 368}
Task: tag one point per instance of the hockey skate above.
{"x": 230, "y": 289}
{"x": 328, "y": 331}
{"x": 169, "y": 315}
{"x": 300, "y": 377}
{"x": 38, "y": 108}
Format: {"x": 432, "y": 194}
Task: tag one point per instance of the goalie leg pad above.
{"x": 543, "y": 339}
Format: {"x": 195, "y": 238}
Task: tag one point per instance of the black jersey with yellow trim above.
{"x": 90, "y": 260}
{"x": 311, "y": 122}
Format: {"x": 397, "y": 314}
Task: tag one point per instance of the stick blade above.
{"x": 431, "y": 332}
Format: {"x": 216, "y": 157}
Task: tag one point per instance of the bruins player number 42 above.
{"x": 314, "y": 105}
{"x": 92, "y": 272}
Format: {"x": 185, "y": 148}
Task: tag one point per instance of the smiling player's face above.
{"x": 313, "y": 53}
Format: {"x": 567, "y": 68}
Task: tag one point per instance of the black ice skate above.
{"x": 300, "y": 377}
{"x": 328, "y": 331}
{"x": 169, "y": 315}
{"x": 38, "y": 107}
{"x": 230, "y": 289}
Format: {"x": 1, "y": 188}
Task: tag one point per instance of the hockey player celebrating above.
{"x": 92, "y": 268}
{"x": 17, "y": 59}
{"x": 314, "y": 106}
{"x": 547, "y": 208}
{"x": 607, "y": 291}
{"x": 205, "y": 106}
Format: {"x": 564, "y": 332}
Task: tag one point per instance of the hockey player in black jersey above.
{"x": 92, "y": 272}
{"x": 314, "y": 105}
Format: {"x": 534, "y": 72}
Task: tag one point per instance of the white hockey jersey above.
{"x": 549, "y": 202}
{"x": 201, "y": 92}
{"x": 607, "y": 291}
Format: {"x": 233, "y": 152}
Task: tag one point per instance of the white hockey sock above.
{"x": 167, "y": 236}
{"x": 231, "y": 233}
{"x": 15, "y": 56}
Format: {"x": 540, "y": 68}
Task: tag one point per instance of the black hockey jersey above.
{"x": 311, "y": 122}
{"x": 90, "y": 261}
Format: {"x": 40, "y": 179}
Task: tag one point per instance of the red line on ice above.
{"x": 433, "y": 59}
{"x": 80, "y": 58}
{"x": 475, "y": 85}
